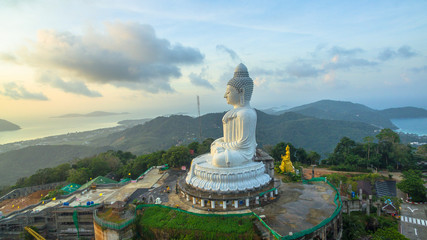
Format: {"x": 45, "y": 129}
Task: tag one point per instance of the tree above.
{"x": 413, "y": 185}
{"x": 177, "y": 156}
{"x": 368, "y": 143}
{"x": 390, "y": 233}
{"x": 422, "y": 150}
{"x": 98, "y": 167}
{"x": 79, "y": 176}
{"x": 344, "y": 146}
{"x": 301, "y": 156}
{"x": 313, "y": 157}
{"x": 193, "y": 146}
{"x": 205, "y": 147}
{"x": 388, "y": 135}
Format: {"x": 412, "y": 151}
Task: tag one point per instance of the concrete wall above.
{"x": 110, "y": 234}
{"x": 106, "y": 234}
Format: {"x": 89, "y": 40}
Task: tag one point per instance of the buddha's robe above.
{"x": 238, "y": 145}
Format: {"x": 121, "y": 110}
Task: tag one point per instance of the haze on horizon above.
{"x": 154, "y": 57}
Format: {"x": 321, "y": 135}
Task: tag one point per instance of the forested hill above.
{"x": 24, "y": 162}
{"x": 8, "y": 126}
{"x": 161, "y": 133}
{"x": 320, "y": 135}
{"x": 405, "y": 112}
{"x": 347, "y": 111}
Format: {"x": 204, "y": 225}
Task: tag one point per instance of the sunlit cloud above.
{"x": 126, "y": 55}
{"x": 258, "y": 81}
{"x": 75, "y": 87}
{"x": 329, "y": 77}
{"x": 17, "y": 92}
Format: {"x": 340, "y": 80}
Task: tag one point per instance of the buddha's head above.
{"x": 242, "y": 85}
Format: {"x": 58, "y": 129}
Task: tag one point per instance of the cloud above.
{"x": 329, "y": 77}
{"x": 419, "y": 69}
{"x": 75, "y": 87}
{"x": 233, "y": 54}
{"x": 344, "y": 52}
{"x": 301, "y": 69}
{"x": 7, "y": 57}
{"x": 402, "y": 52}
{"x": 125, "y": 55}
{"x": 197, "y": 80}
{"x": 16, "y": 92}
{"x": 346, "y": 63}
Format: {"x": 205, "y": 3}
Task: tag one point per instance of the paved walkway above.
{"x": 413, "y": 221}
{"x": 418, "y": 221}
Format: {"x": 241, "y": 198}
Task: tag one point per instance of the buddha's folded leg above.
{"x": 228, "y": 158}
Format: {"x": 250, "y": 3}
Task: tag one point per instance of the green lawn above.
{"x": 181, "y": 225}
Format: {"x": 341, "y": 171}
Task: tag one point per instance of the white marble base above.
{"x": 205, "y": 176}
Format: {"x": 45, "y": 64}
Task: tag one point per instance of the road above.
{"x": 413, "y": 221}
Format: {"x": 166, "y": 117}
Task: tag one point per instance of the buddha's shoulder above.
{"x": 246, "y": 112}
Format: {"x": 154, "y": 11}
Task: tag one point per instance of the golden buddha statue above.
{"x": 286, "y": 165}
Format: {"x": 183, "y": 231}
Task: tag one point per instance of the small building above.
{"x": 267, "y": 160}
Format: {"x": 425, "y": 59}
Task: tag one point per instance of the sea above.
{"x": 34, "y": 128}
{"x": 411, "y": 125}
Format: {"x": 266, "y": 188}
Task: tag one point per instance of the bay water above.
{"x": 33, "y": 128}
{"x": 411, "y": 125}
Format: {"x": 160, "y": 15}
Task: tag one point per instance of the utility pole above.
{"x": 200, "y": 120}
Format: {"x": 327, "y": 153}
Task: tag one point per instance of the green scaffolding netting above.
{"x": 71, "y": 187}
{"x": 76, "y": 222}
{"x": 98, "y": 180}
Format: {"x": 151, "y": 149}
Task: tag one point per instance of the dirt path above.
{"x": 10, "y": 205}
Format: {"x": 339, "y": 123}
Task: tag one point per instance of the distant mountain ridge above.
{"x": 405, "y": 112}
{"x": 91, "y": 114}
{"x": 8, "y": 126}
{"x": 348, "y": 111}
{"x": 320, "y": 135}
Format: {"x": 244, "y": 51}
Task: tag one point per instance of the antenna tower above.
{"x": 200, "y": 120}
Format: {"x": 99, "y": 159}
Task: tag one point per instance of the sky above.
{"x": 155, "y": 57}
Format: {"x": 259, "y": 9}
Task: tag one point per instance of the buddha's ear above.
{"x": 242, "y": 97}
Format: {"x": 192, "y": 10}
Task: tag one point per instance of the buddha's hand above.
{"x": 216, "y": 146}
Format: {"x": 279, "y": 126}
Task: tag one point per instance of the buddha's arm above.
{"x": 246, "y": 124}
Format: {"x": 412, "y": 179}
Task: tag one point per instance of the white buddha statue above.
{"x": 230, "y": 166}
{"x": 238, "y": 145}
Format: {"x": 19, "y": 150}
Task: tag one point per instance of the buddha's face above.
{"x": 232, "y": 96}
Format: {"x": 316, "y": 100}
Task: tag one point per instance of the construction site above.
{"x": 71, "y": 216}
